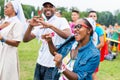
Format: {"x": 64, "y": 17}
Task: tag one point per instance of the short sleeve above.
{"x": 64, "y": 23}
{"x": 99, "y": 31}
{"x": 18, "y": 31}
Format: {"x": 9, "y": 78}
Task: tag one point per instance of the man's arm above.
{"x": 65, "y": 33}
{"x": 28, "y": 35}
{"x": 9, "y": 42}
{"x": 5, "y": 24}
{"x": 62, "y": 33}
{"x": 101, "y": 44}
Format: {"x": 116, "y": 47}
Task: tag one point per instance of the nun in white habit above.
{"x": 11, "y": 34}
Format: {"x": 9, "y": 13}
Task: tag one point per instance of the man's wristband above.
{"x": 3, "y": 39}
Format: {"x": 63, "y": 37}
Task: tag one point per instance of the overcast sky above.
{"x": 82, "y": 5}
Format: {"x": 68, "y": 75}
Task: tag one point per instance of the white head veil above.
{"x": 19, "y": 12}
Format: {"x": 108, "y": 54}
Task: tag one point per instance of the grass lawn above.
{"x": 109, "y": 70}
{"x": 27, "y": 57}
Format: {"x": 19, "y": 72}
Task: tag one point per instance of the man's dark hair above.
{"x": 75, "y": 11}
{"x": 92, "y": 11}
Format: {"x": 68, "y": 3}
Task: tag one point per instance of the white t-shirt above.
{"x": 45, "y": 58}
{"x": 95, "y": 38}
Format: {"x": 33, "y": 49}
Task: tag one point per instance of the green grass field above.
{"x": 28, "y": 52}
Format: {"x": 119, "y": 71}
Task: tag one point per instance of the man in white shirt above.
{"x": 60, "y": 30}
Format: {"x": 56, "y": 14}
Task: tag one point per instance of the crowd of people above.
{"x": 83, "y": 38}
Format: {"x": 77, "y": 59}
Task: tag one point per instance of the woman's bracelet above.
{"x": 62, "y": 68}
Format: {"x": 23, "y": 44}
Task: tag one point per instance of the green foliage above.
{"x": 2, "y": 8}
{"x": 73, "y": 8}
{"x": 105, "y": 17}
{"x": 118, "y": 18}
{"x": 62, "y": 9}
{"x": 28, "y": 10}
{"x": 83, "y": 14}
{"x": 67, "y": 15}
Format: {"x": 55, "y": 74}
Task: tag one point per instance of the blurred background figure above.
{"x": 115, "y": 36}
{"x": 58, "y": 13}
{"x": 75, "y": 15}
{"x": 109, "y": 31}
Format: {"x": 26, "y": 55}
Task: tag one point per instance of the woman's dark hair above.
{"x": 88, "y": 24}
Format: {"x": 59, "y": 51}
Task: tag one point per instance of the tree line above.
{"x": 105, "y": 17}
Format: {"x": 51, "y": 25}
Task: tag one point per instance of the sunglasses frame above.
{"x": 78, "y": 26}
